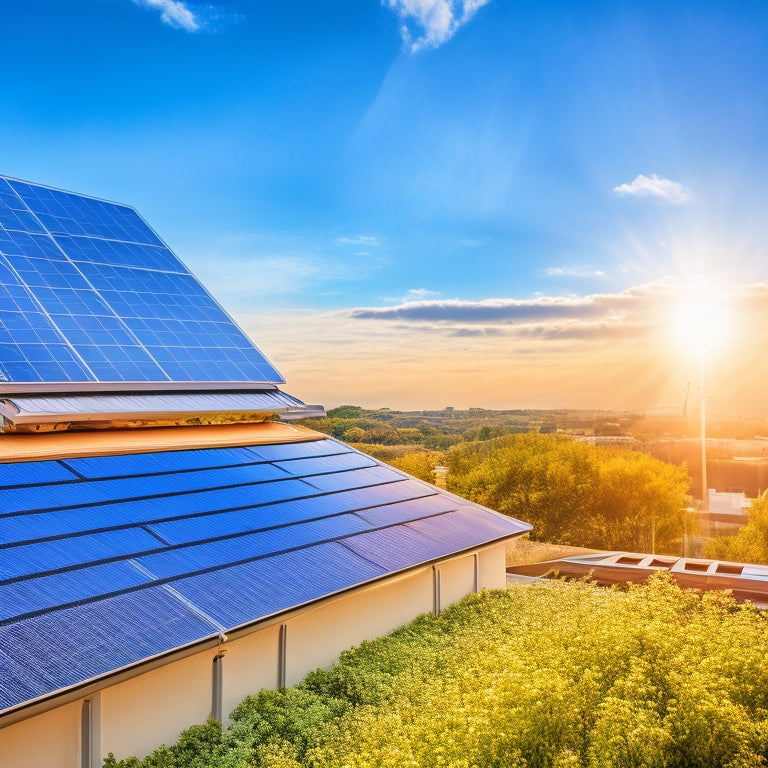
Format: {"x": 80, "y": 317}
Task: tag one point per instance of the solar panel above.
{"x": 90, "y": 296}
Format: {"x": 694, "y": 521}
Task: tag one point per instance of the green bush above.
{"x": 552, "y": 675}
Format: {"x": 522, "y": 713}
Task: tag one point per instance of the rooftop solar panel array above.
{"x": 106, "y": 561}
{"x": 90, "y": 295}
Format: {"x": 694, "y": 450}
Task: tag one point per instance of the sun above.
{"x": 701, "y": 320}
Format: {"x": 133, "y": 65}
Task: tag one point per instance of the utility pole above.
{"x": 703, "y": 429}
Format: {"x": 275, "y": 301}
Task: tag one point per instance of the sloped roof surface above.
{"x": 107, "y": 561}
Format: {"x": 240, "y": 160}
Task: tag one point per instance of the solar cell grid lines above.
{"x": 91, "y": 298}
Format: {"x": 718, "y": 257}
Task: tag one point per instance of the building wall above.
{"x": 50, "y": 740}
{"x": 250, "y": 664}
{"x": 315, "y": 638}
{"x": 457, "y": 578}
{"x": 136, "y": 716}
{"x": 493, "y": 567}
{"x": 152, "y": 709}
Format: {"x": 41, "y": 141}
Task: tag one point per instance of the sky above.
{"x": 420, "y": 203}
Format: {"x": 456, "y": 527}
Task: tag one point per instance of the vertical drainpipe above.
{"x": 217, "y": 687}
{"x": 436, "y": 590}
{"x": 282, "y": 654}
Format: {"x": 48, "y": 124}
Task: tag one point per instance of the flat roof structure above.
{"x": 745, "y": 581}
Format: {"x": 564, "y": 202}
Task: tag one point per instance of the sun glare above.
{"x": 701, "y": 321}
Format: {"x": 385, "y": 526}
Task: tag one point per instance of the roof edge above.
{"x": 70, "y": 445}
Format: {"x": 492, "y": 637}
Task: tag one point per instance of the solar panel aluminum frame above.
{"x": 43, "y": 387}
{"x": 72, "y": 415}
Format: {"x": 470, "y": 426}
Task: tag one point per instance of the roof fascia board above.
{"x": 70, "y": 445}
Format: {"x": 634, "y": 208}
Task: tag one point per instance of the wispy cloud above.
{"x": 573, "y": 272}
{"x": 174, "y": 13}
{"x": 412, "y": 295}
{"x": 359, "y": 241}
{"x": 192, "y": 17}
{"x": 420, "y": 294}
{"x": 430, "y": 23}
{"x": 665, "y": 190}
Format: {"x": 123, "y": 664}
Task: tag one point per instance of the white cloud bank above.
{"x": 668, "y": 191}
{"x": 430, "y": 23}
{"x": 174, "y": 13}
{"x": 615, "y": 350}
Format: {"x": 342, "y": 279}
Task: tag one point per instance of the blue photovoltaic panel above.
{"x": 22, "y": 597}
{"x": 33, "y": 473}
{"x": 357, "y": 478}
{"x": 467, "y": 525}
{"x": 77, "y": 550}
{"x": 202, "y": 527}
{"x": 94, "y": 491}
{"x": 405, "y": 511}
{"x": 234, "y": 595}
{"x": 169, "y": 548}
{"x": 179, "y": 562}
{"x": 396, "y": 548}
{"x": 89, "y": 294}
{"x": 299, "y": 450}
{"x": 321, "y": 464}
{"x": 27, "y": 527}
{"x": 66, "y": 647}
{"x": 160, "y": 462}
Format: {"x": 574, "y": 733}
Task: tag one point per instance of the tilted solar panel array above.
{"x": 90, "y": 295}
{"x": 107, "y": 561}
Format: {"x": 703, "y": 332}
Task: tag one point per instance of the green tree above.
{"x": 354, "y": 435}
{"x": 640, "y": 502}
{"x": 420, "y": 464}
{"x": 575, "y": 493}
{"x": 750, "y": 544}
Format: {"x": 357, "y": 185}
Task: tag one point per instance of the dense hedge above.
{"x": 547, "y": 675}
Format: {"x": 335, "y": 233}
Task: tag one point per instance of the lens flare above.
{"x": 701, "y": 321}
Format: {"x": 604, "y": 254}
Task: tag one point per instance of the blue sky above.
{"x": 416, "y": 203}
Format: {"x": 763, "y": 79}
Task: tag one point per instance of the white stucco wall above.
{"x": 316, "y": 638}
{"x": 250, "y": 664}
{"x": 493, "y": 567}
{"x": 457, "y": 578}
{"x": 152, "y": 709}
{"x": 50, "y": 740}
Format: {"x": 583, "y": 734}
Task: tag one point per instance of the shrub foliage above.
{"x": 553, "y": 675}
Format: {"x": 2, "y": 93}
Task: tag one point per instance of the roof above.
{"x": 746, "y": 581}
{"x": 110, "y": 560}
{"x": 130, "y": 534}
